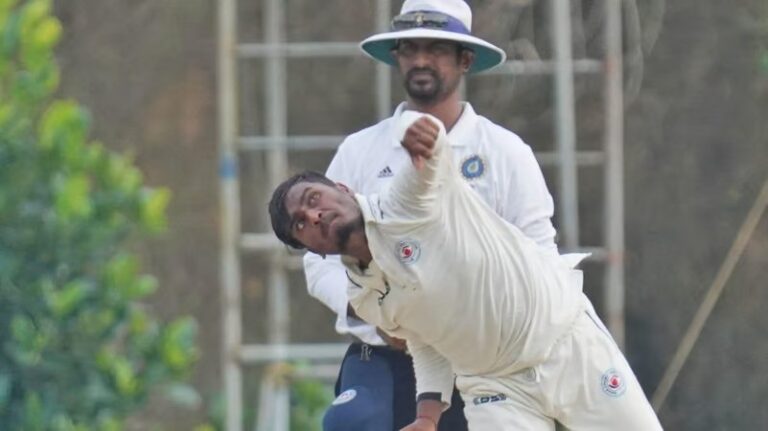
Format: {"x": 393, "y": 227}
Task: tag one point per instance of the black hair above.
{"x": 281, "y": 220}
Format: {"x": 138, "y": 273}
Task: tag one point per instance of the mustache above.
{"x": 410, "y": 74}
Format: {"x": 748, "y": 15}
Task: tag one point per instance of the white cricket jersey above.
{"x": 469, "y": 291}
{"x": 495, "y": 162}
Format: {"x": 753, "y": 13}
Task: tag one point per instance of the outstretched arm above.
{"x": 415, "y": 189}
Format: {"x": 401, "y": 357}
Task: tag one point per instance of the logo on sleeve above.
{"x": 613, "y": 383}
{"x": 408, "y": 251}
{"x": 473, "y": 167}
{"x": 345, "y": 397}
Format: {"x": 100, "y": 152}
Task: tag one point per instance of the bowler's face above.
{"x": 322, "y": 216}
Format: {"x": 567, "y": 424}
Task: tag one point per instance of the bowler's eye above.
{"x": 313, "y": 198}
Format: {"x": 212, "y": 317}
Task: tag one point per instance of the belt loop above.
{"x": 365, "y": 352}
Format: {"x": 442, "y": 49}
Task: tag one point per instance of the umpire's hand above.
{"x": 419, "y": 140}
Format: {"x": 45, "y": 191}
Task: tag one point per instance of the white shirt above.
{"x": 470, "y": 293}
{"x": 494, "y": 161}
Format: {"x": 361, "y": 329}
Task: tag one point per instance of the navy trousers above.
{"x": 388, "y": 374}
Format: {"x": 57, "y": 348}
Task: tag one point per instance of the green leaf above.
{"x": 109, "y": 423}
{"x": 73, "y": 197}
{"x": 178, "y": 346}
{"x": 33, "y": 412}
{"x": 64, "y": 301}
{"x": 123, "y": 175}
{"x": 22, "y": 328}
{"x": 121, "y": 269}
{"x": 64, "y": 124}
{"x": 153, "y": 209}
{"x": 47, "y": 33}
{"x": 125, "y": 378}
{"x": 141, "y": 288}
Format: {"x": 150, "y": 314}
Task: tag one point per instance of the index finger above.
{"x": 427, "y": 125}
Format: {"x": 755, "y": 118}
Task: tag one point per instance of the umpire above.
{"x": 431, "y": 45}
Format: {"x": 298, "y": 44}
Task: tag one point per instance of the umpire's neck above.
{"x": 448, "y": 110}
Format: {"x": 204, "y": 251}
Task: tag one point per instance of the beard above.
{"x": 433, "y": 92}
{"x": 345, "y": 231}
{"x": 426, "y": 94}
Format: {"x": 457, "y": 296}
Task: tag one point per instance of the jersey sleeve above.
{"x": 414, "y": 191}
{"x": 433, "y": 371}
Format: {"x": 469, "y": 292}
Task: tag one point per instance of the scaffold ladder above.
{"x": 276, "y": 143}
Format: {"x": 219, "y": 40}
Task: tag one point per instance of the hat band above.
{"x": 428, "y": 19}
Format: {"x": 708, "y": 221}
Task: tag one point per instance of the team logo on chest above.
{"x": 473, "y": 167}
{"x": 408, "y": 251}
{"x": 613, "y": 383}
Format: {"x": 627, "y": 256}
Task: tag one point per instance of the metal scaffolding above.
{"x": 276, "y": 143}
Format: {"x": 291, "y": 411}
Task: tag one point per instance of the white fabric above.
{"x": 567, "y": 387}
{"x": 512, "y": 184}
{"x": 449, "y": 274}
{"x": 458, "y": 9}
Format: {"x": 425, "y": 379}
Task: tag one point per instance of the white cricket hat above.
{"x": 434, "y": 19}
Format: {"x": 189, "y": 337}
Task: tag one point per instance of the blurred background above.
{"x": 170, "y": 83}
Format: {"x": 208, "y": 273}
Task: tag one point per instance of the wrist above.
{"x": 428, "y": 420}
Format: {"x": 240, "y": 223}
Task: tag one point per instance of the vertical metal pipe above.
{"x": 383, "y": 71}
{"x": 229, "y": 264}
{"x": 277, "y": 167}
{"x": 614, "y": 175}
{"x": 565, "y": 119}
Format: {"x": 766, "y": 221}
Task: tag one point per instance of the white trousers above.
{"x": 586, "y": 384}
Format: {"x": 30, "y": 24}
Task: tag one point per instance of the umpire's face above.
{"x": 323, "y": 217}
{"x": 432, "y": 68}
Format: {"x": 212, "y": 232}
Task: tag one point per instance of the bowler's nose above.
{"x": 314, "y": 216}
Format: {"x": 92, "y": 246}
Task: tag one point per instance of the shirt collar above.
{"x": 460, "y": 131}
{"x": 368, "y": 206}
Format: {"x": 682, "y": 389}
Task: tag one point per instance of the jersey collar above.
{"x": 369, "y": 207}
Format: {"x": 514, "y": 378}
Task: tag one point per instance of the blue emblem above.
{"x": 613, "y": 383}
{"x": 408, "y": 251}
{"x": 473, "y": 167}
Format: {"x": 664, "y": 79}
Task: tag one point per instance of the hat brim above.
{"x": 487, "y": 56}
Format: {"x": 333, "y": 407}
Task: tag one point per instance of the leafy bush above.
{"x": 77, "y": 349}
{"x": 309, "y": 401}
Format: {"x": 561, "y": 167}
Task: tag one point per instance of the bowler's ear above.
{"x": 343, "y": 187}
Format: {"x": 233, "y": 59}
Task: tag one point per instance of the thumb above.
{"x": 417, "y": 161}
